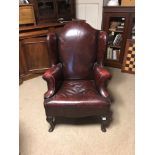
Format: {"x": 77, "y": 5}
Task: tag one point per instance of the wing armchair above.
{"x": 77, "y": 79}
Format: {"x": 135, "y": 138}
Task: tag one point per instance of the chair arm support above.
{"x": 53, "y": 78}
{"x": 101, "y": 77}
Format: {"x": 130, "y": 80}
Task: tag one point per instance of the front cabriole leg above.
{"x": 51, "y": 121}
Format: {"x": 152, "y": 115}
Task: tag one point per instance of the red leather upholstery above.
{"x": 77, "y": 79}
{"x": 78, "y": 95}
{"x": 77, "y": 50}
{"x": 53, "y": 77}
{"x": 101, "y": 76}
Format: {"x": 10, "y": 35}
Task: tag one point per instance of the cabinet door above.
{"x": 65, "y": 9}
{"x": 52, "y": 10}
{"x": 45, "y": 10}
{"x": 35, "y": 54}
{"x": 116, "y": 25}
{"x": 21, "y": 61}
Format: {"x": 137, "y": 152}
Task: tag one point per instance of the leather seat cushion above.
{"x": 76, "y": 96}
{"x": 77, "y": 93}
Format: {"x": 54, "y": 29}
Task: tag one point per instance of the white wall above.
{"x": 91, "y": 11}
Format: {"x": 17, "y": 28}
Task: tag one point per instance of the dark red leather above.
{"x": 76, "y": 94}
{"x": 102, "y": 42}
{"x": 101, "y": 76}
{"x": 79, "y": 49}
{"x": 53, "y": 77}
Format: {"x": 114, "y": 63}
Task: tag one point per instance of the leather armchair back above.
{"x": 77, "y": 50}
{"x": 78, "y": 46}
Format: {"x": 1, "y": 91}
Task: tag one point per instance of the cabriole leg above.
{"x": 51, "y": 121}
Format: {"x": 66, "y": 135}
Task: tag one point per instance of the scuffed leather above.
{"x": 53, "y": 77}
{"x": 101, "y": 76}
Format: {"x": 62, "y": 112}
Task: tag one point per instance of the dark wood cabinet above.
{"x": 53, "y": 10}
{"x": 119, "y": 23}
{"x": 33, "y": 50}
{"x": 36, "y": 54}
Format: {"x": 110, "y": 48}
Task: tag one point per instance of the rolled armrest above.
{"x": 101, "y": 77}
{"x": 53, "y": 78}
